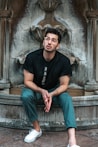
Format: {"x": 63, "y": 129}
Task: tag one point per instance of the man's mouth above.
{"x": 48, "y": 47}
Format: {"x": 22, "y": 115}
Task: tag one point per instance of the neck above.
{"x": 48, "y": 55}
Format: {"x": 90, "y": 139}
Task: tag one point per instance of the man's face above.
{"x": 50, "y": 42}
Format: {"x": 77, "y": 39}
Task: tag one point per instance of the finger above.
{"x": 46, "y": 107}
{"x": 46, "y": 110}
{"x": 45, "y": 100}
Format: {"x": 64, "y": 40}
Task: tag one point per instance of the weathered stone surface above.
{"x": 12, "y": 113}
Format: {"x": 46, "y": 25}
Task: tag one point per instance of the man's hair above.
{"x": 54, "y": 31}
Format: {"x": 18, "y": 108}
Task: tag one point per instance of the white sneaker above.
{"x": 73, "y": 146}
{"x": 32, "y": 136}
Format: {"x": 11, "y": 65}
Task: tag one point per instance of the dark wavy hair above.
{"x": 54, "y": 31}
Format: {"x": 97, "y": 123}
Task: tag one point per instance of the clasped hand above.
{"x": 47, "y": 97}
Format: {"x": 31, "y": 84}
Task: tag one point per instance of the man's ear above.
{"x": 43, "y": 43}
{"x": 58, "y": 46}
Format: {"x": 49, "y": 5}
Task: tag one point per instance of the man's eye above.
{"x": 54, "y": 40}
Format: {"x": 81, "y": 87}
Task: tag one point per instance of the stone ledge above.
{"x": 11, "y": 99}
{"x": 12, "y": 113}
{"x": 73, "y": 91}
{"x": 47, "y": 126}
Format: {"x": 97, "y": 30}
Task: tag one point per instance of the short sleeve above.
{"x": 28, "y": 64}
{"x": 67, "y": 68}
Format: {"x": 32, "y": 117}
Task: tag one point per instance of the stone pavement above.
{"x": 14, "y": 138}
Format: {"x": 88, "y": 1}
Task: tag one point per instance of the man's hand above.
{"x": 48, "y": 104}
{"x": 47, "y": 100}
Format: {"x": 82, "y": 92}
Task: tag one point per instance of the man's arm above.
{"x": 64, "y": 82}
{"x": 28, "y": 81}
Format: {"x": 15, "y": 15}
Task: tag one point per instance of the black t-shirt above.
{"x": 47, "y": 74}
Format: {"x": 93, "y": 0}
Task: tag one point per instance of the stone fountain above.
{"x": 49, "y": 15}
{"x": 22, "y": 30}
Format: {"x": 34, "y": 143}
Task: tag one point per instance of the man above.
{"x": 46, "y": 76}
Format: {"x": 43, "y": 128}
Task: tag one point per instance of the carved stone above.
{"x": 24, "y": 27}
{"x": 49, "y": 7}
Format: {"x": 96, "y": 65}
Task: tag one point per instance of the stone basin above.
{"x": 12, "y": 113}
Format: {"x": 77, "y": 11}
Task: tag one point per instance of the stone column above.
{"x": 91, "y": 85}
{"x": 97, "y": 52}
{"x": 4, "y": 49}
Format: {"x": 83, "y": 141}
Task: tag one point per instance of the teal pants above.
{"x": 64, "y": 100}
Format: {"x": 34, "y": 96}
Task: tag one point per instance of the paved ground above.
{"x": 14, "y": 138}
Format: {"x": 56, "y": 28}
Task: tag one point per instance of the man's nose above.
{"x": 49, "y": 41}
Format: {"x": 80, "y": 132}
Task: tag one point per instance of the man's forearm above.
{"x": 59, "y": 90}
{"x": 33, "y": 86}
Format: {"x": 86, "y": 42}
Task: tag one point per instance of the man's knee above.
{"x": 65, "y": 97}
{"x": 26, "y": 94}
